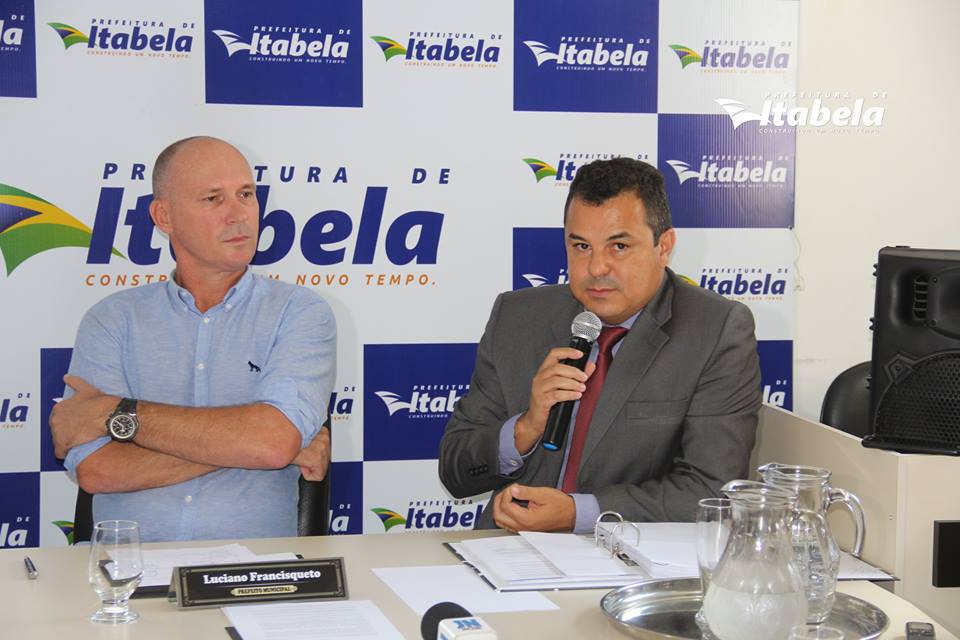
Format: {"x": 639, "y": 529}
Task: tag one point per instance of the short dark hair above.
{"x": 600, "y": 180}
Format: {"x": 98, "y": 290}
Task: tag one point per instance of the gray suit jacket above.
{"x": 676, "y": 418}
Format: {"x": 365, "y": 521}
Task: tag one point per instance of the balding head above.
{"x": 165, "y": 166}
{"x": 205, "y": 201}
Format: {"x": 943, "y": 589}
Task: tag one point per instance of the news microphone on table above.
{"x": 585, "y": 329}
{"x": 450, "y": 621}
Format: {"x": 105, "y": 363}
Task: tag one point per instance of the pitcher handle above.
{"x": 852, "y": 503}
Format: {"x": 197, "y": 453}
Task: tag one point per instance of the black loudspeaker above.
{"x": 915, "y": 369}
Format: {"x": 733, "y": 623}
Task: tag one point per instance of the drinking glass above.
{"x": 115, "y": 569}
{"x": 714, "y": 522}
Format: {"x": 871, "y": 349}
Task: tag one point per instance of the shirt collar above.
{"x": 180, "y": 297}
{"x": 628, "y": 323}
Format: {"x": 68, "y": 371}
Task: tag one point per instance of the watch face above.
{"x": 123, "y": 426}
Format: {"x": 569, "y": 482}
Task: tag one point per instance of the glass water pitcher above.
{"x": 757, "y": 592}
{"x": 818, "y": 555}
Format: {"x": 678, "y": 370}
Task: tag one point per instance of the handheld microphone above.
{"x": 585, "y": 329}
{"x": 450, "y": 621}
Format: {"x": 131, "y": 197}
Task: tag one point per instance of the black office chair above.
{"x": 313, "y": 509}
{"x": 83, "y": 517}
{"x": 846, "y": 405}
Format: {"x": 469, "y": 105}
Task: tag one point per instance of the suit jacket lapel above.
{"x": 636, "y": 354}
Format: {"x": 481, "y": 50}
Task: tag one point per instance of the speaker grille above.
{"x": 924, "y": 406}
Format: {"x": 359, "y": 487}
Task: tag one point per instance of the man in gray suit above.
{"x": 674, "y": 415}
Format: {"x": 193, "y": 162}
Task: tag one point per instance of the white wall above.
{"x": 857, "y": 193}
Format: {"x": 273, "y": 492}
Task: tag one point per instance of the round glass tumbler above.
{"x": 714, "y": 521}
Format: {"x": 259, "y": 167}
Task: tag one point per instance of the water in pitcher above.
{"x": 756, "y": 592}
{"x": 739, "y": 615}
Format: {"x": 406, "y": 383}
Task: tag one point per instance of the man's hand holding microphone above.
{"x": 558, "y": 384}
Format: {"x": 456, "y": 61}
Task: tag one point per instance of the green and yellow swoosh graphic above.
{"x": 686, "y": 55}
{"x": 540, "y": 168}
{"x": 69, "y": 35}
{"x": 66, "y": 527}
{"x": 389, "y": 47}
{"x": 30, "y": 225}
{"x": 389, "y": 518}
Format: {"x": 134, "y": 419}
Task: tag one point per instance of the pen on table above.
{"x": 31, "y": 568}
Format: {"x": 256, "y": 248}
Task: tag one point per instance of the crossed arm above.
{"x": 279, "y": 426}
{"x": 175, "y": 444}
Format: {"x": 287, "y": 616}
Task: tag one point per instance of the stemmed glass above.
{"x": 115, "y": 569}
{"x": 714, "y": 523}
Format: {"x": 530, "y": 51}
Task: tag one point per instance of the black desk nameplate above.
{"x": 287, "y": 581}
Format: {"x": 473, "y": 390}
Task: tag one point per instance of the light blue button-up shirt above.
{"x": 267, "y": 341}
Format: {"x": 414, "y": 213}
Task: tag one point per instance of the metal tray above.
{"x": 664, "y": 610}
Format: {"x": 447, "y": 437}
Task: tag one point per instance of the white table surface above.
{"x": 56, "y": 606}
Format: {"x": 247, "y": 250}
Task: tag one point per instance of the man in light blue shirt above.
{"x": 195, "y": 400}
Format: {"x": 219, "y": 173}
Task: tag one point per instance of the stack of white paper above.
{"x": 158, "y": 564}
{"x": 353, "y": 619}
{"x": 423, "y": 587}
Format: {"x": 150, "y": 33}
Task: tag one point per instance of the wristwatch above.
{"x": 123, "y": 423}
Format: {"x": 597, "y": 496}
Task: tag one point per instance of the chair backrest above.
{"x": 313, "y": 509}
{"x": 83, "y": 517}
{"x": 846, "y": 405}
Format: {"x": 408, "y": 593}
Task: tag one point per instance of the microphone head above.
{"x": 586, "y": 325}
{"x": 440, "y": 611}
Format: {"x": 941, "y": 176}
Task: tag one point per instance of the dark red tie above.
{"x": 609, "y": 336}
